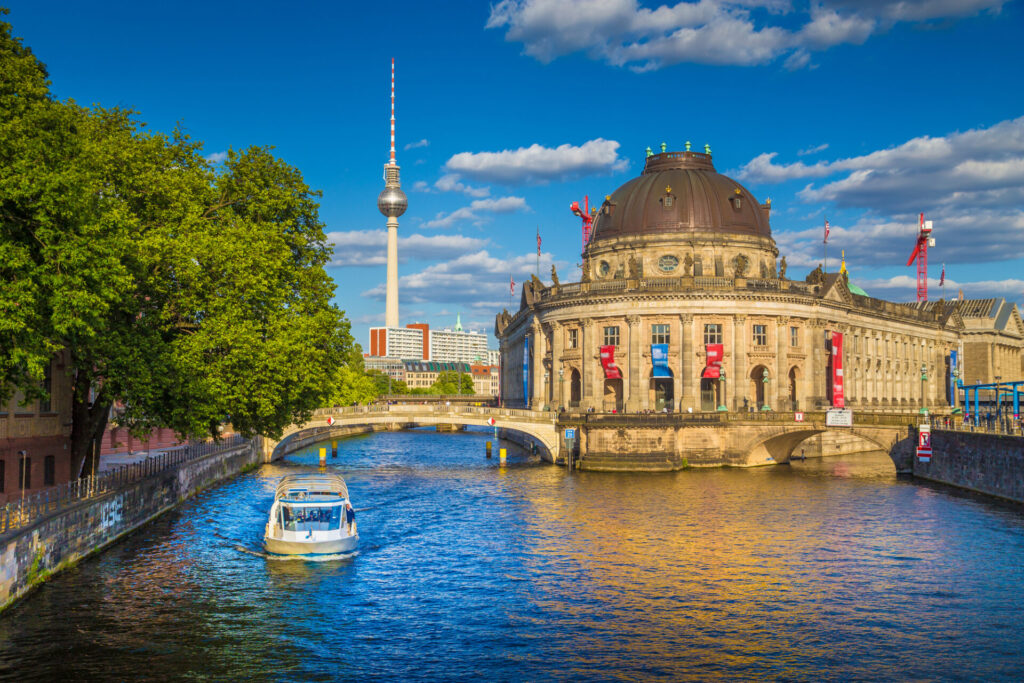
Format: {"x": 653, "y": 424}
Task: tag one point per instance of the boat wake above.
{"x": 306, "y": 558}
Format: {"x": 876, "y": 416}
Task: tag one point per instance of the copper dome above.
{"x": 680, "y": 192}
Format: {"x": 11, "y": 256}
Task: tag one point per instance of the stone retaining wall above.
{"x": 29, "y": 555}
{"x": 992, "y": 464}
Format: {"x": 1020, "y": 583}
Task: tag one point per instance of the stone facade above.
{"x": 684, "y": 256}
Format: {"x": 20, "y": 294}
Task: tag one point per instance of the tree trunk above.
{"x": 88, "y": 422}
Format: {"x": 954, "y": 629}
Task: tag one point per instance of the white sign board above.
{"x": 798, "y": 417}
{"x": 839, "y": 417}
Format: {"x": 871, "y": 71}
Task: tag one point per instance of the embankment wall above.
{"x": 30, "y": 555}
{"x": 992, "y": 464}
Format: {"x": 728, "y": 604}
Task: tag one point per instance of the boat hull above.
{"x": 334, "y": 546}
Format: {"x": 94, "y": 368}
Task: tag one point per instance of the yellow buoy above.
{"x": 323, "y": 457}
{"x": 502, "y": 456}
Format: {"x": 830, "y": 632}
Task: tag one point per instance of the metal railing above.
{"x": 33, "y": 507}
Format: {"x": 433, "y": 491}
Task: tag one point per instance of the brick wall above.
{"x": 992, "y": 464}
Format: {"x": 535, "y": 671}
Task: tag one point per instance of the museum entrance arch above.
{"x": 575, "y": 388}
{"x": 710, "y": 394}
{"x": 794, "y": 376}
{"x": 612, "y": 395}
{"x": 759, "y": 379}
{"x": 662, "y": 390}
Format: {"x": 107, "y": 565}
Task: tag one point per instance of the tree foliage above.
{"x": 188, "y": 294}
{"x": 448, "y": 382}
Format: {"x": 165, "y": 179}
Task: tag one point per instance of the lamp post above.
{"x": 547, "y": 388}
{"x": 924, "y": 378}
{"x": 561, "y": 387}
{"x": 721, "y": 380}
{"x": 764, "y": 380}
{"x": 999, "y": 398}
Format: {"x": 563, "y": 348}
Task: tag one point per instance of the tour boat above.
{"x": 308, "y": 517}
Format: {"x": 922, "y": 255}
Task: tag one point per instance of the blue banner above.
{"x": 659, "y": 361}
{"x": 526, "y": 371}
{"x": 954, "y": 373}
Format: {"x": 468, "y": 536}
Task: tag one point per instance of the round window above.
{"x": 604, "y": 268}
{"x": 668, "y": 263}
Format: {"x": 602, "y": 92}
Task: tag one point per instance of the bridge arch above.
{"x": 524, "y": 426}
{"x": 776, "y": 444}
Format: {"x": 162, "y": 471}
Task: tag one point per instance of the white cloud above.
{"x": 813, "y": 150}
{"x": 217, "y": 157}
{"x": 421, "y": 186}
{"x": 904, "y": 288}
{"x": 624, "y": 33}
{"x": 475, "y": 280}
{"x": 450, "y": 182}
{"x": 419, "y": 143}
{"x": 369, "y": 247}
{"x": 474, "y": 211}
{"x": 537, "y": 164}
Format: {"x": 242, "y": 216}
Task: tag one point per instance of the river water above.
{"x": 823, "y": 570}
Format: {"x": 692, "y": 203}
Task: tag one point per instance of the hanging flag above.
{"x": 538, "y": 240}
{"x": 713, "y": 367}
{"x": 826, "y": 231}
{"x": 511, "y": 285}
{"x": 942, "y": 278}
{"x": 611, "y": 370}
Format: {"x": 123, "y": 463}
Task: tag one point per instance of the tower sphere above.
{"x": 392, "y": 202}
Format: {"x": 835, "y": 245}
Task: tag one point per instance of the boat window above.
{"x": 307, "y": 518}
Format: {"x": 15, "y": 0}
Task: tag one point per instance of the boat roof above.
{"x": 306, "y": 486}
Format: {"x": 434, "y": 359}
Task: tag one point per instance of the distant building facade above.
{"x": 418, "y": 342}
{"x": 35, "y": 438}
{"x": 423, "y": 374}
{"x": 392, "y": 367}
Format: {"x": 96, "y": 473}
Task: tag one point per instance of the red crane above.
{"x": 588, "y": 219}
{"x": 924, "y": 240}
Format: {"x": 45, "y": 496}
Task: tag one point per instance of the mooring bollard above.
{"x": 501, "y": 455}
{"x": 488, "y": 449}
{"x": 323, "y": 457}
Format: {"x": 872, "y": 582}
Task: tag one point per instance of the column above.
{"x": 737, "y": 375}
{"x": 684, "y": 376}
{"x": 538, "y": 388}
{"x": 588, "y": 347}
{"x": 814, "y": 375}
{"x": 634, "y": 402}
{"x": 558, "y": 383}
{"x": 781, "y": 377}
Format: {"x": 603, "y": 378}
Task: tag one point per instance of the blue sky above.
{"x": 864, "y": 111}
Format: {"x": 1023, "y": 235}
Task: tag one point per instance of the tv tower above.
{"x": 392, "y": 202}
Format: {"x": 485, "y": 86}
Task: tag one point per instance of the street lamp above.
{"x": 924, "y": 378}
{"x": 547, "y": 387}
{"x": 561, "y": 387}
{"x": 764, "y": 380}
{"x": 721, "y": 381}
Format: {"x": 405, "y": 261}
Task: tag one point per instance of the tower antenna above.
{"x": 392, "y": 161}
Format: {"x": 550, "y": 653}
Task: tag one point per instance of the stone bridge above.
{"x": 624, "y": 442}
{"x": 527, "y": 427}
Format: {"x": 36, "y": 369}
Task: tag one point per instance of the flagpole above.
{"x": 538, "y": 250}
{"x": 826, "y": 246}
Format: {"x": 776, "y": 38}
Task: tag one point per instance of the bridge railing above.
{"x": 33, "y": 507}
{"x": 435, "y": 409}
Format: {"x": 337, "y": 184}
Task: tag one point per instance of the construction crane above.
{"x": 924, "y": 240}
{"x": 588, "y": 219}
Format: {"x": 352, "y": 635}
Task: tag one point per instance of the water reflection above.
{"x": 823, "y": 569}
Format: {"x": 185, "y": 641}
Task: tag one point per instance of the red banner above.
{"x": 837, "y": 371}
{"x": 611, "y": 371}
{"x": 713, "y": 365}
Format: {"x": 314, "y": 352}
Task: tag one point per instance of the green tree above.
{"x": 353, "y": 384}
{"x": 187, "y": 294}
{"x": 383, "y": 384}
{"x": 447, "y": 382}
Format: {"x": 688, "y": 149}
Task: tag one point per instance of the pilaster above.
{"x": 683, "y": 383}
{"x": 633, "y": 398}
{"x": 588, "y": 348}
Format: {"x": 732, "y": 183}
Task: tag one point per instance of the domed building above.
{"x": 685, "y": 305}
